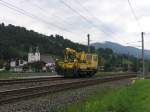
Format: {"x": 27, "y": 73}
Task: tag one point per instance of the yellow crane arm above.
{"x": 69, "y": 51}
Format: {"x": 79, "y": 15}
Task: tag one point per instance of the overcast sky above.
{"x": 105, "y": 20}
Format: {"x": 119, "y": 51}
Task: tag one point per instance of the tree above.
{"x": 36, "y": 66}
{"x": 15, "y": 42}
{"x": 1, "y": 63}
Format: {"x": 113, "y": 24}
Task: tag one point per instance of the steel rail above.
{"x": 42, "y": 79}
{"x": 14, "y": 95}
{"x": 28, "y": 80}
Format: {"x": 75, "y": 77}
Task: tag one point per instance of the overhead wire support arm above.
{"x": 142, "y": 36}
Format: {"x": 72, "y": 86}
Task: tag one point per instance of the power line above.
{"x": 43, "y": 10}
{"x": 134, "y": 14}
{"x": 142, "y": 36}
{"x": 85, "y": 18}
{"x": 82, "y": 16}
{"x": 91, "y": 14}
{"x": 45, "y": 13}
{"x": 21, "y": 11}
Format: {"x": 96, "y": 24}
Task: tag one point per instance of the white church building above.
{"x": 33, "y": 57}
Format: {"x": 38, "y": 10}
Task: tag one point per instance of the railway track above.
{"x": 28, "y": 80}
{"x": 41, "y": 79}
{"x": 9, "y": 96}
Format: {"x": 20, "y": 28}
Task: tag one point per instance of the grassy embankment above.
{"x": 5, "y": 75}
{"x": 134, "y": 98}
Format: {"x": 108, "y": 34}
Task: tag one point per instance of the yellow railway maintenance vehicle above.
{"x": 77, "y": 64}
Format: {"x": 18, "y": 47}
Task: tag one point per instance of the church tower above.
{"x": 37, "y": 54}
{"x": 30, "y": 55}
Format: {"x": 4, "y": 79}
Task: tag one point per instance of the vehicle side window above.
{"x": 88, "y": 57}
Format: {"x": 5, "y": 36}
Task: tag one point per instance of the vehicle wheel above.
{"x": 91, "y": 74}
{"x": 75, "y": 72}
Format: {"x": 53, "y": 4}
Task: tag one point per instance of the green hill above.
{"x": 15, "y": 42}
{"x": 121, "y": 49}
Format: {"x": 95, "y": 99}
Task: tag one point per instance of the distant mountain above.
{"x": 120, "y": 49}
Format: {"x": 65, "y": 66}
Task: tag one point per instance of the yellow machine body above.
{"x": 77, "y": 64}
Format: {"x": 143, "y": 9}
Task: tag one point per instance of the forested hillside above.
{"x": 115, "y": 62}
{"x": 15, "y": 42}
{"x": 120, "y": 49}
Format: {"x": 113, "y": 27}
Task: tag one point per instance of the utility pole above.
{"x": 88, "y": 43}
{"x": 137, "y": 62}
{"x": 128, "y": 62}
{"x": 143, "y": 64}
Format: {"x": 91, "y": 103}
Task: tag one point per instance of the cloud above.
{"x": 108, "y": 20}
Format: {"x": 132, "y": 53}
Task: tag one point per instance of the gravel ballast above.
{"x": 55, "y": 101}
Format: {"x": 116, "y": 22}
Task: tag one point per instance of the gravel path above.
{"x": 52, "y": 102}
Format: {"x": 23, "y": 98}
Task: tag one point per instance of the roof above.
{"x": 47, "y": 59}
